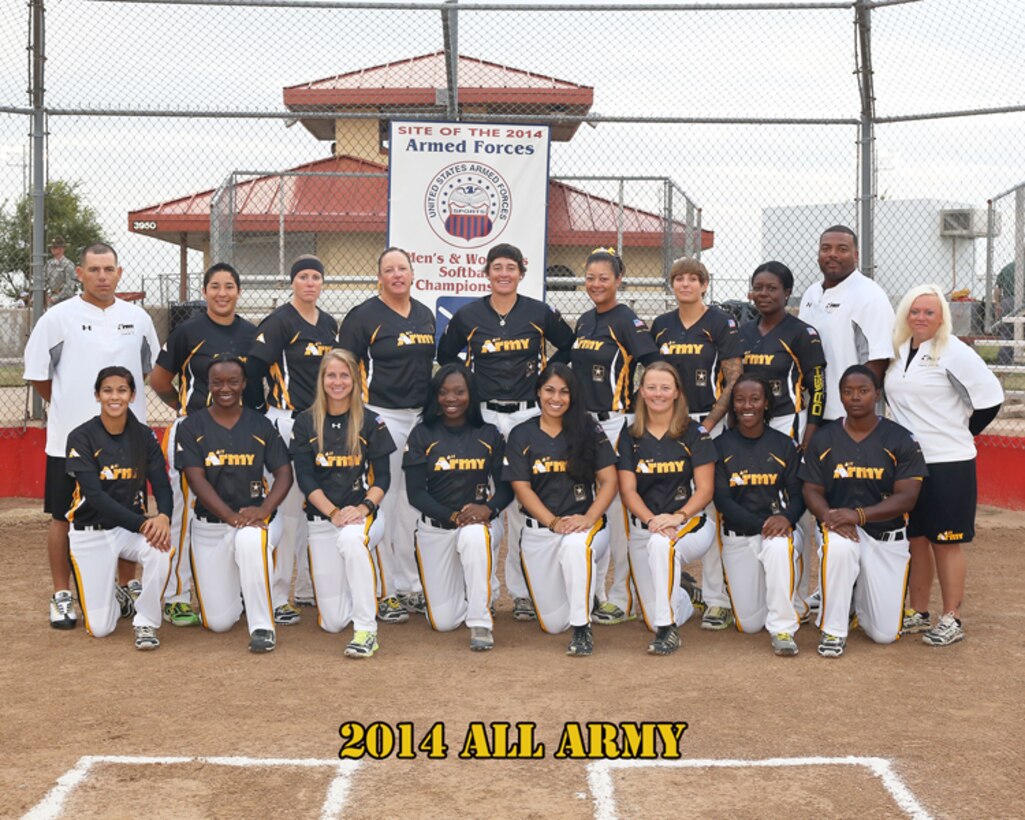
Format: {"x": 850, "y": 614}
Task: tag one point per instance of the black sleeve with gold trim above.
{"x": 395, "y": 352}
{"x": 292, "y": 349}
{"x": 605, "y": 354}
{"x": 861, "y": 474}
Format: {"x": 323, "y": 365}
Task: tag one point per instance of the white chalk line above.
{"x": 603, "y": 792}
{"x": 52, "y": 804}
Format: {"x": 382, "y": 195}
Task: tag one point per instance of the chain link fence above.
{"x": 253, "y": 131}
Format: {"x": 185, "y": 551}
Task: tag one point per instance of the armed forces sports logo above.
{"x": 468, "y": 204}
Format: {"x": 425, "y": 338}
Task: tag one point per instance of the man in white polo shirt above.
{"x": 852, "y": 314}
{"x": 69, "y": 345}
{"x": 854, "y": 318}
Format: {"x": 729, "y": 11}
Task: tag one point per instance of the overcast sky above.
{"x": 929, "y": 56}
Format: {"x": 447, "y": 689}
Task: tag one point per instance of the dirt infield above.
{"x": 948, "y": 720}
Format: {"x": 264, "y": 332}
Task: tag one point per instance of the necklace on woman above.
{"x": 501, "y": 316}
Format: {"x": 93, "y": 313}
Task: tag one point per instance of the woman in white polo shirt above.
{"x": 940, "y": 389}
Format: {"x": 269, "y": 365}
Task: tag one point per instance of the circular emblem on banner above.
{"x": 468, "y": 204}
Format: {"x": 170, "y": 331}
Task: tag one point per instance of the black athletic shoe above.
{"x": 262, "y": 640}
{"x": 665, "y": 642}
{"x": 582, "y": 643}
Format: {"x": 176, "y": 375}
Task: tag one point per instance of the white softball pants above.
{"x": 761, "y": 575}
{"x": 344, "y": 573}
{"x": 290, "y": 554}
{"x": 881, "y": 571}
{"x": 456, "y": 568}
{"x": 655, "y": 564}
{"x": 395, "y": 552}
{"x": 514, "y": 518}
{"x": 619, "y": 592}
{"x": 794, "y": 425}
{"x": 560, "y": 571}
{"x": 230, "y": 566}
{"x": 179, "y": 590}
{"x": 94, "y": 554}
{"x": 713, "y": 586}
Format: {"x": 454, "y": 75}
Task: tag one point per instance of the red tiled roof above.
{"x": 360, "y": 205}
{"x": 413, "y": 81}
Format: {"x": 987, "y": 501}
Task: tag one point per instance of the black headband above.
{"x": 308, "y": 263}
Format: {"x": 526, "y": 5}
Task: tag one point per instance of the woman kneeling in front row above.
{"x": 341, "y": 465}
{"x": 758, "y": 496}
{"x": 659, "y": 455}
{"x": 223, "y": 450}
{"x": 111, "y": 457}
{"x": 453, "y": 465}
{"x": 554, "y": 462}
{"x": 862, "y": 475}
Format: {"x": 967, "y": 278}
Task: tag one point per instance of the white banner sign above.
{"x": 457, "y": 189}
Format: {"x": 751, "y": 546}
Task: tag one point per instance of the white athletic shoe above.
{"x": 62, "y": 610}
{"x": 481, "y": 639}
{"x": 948, "y": 630}
{"x": 287, "y": 614}
{"x": 915, "y": 622}
{"x": 523, "y": 610}
{"x": 391, "y": 611}
{"x": 146, "y": 638}
{"x": 831, "y": 646}
{"x": 363, "y": 645}
{"x": 783, "y": 644}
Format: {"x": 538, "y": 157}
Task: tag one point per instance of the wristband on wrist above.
{"x": 331, "y": 514}
{"x": 553, "y": 522}
{"x": 370, "y": 505}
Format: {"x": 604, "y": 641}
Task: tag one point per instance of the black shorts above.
{"x": 945, "y": 512}
{"x": 59, "y": 490}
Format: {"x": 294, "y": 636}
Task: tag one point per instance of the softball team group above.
{"x": 339, "y": 460}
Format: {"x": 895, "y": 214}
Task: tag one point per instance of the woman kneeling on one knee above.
{"x": 224, "y": 450}
{"x": 453, "y": 465}
{"x": 758, "y": 496}
{"x": 660, "y": 454}
{"x": 111, "y": 457}
{"x": 862, "y": 475}
{"x": 341, "y": 465}
{"x": 554, "y": 462}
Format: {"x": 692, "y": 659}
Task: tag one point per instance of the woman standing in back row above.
{"x": 288, "y": 348}
{"x": 610, "y": 342}
{"x": 703, "y": 344}
{"x": 941, "y": 390}
{"x": 186, "y": 355}
{"x": 392, "y": 337}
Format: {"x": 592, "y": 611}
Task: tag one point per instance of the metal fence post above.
{"x": 450, "y": 32}
{"x": 667, "y": 222}
{"x": 281, "y": 226}
{"x": 988, "y": 320}
{"x": 866, "y": 140}
{"x": 37, "y": 64}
